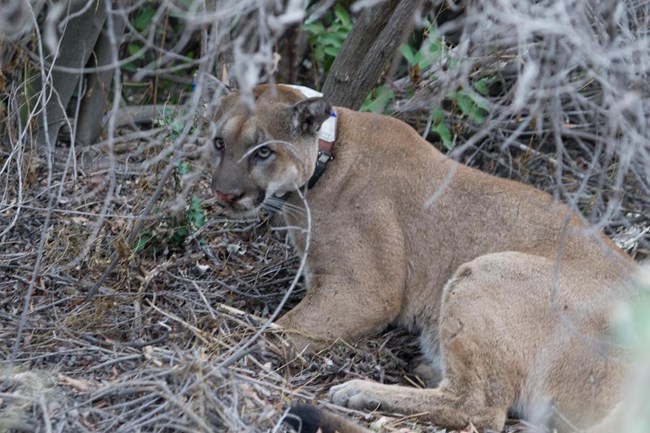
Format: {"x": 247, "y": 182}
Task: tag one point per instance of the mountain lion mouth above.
{"x": 245, "y": 206}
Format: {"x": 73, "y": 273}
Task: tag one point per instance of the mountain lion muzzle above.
{"x": 511, "y": 295}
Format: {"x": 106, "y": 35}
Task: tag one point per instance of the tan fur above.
{"x": 510, "y": 292}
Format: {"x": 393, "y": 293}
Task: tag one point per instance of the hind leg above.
{"x": 480, "y": 348}
{"x": 481, "y": 370}
{"x": 445, "y": 405}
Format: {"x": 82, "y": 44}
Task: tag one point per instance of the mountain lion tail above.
{"x": 304, "y": 418}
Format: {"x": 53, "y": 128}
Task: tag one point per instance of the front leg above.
{"x": 352, "y": 290}
{"x": 331, "y": 311}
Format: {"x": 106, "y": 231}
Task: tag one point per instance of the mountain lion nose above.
{"x": 229, "y": 198}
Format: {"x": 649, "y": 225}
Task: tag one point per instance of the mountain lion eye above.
{"x": 263, "y": 152}
{"x": 218, "y": 143}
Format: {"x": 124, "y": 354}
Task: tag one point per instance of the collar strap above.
{"x": 324, "y": 156}
{"x": 326, "y": 140}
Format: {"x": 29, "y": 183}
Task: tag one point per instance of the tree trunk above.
{"x": 93, "y": 104}
{"x": 371, "y": 44}
{"x": 79, "y": 38}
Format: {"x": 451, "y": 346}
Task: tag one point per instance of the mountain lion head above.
{"x": 265, "y": 149}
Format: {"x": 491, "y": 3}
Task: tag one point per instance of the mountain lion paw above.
{"x": 357, "y": 394}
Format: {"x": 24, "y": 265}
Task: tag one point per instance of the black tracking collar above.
{"x": 321, "y": 164}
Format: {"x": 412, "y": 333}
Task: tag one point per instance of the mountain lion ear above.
{"x": 211, "y": 90}
{"x": 308, "y": 114}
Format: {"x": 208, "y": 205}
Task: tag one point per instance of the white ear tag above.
{"x": 306, "y": 91}
{"x": 327, "y": 130}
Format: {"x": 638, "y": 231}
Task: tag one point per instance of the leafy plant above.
{"x": 326, "y": 39}
{"x": 469, "y": 105}
{"x": 430, "y": 50}
{"x": 462, "y": 101}
{"x": 161, "y": 30}
{"x": 174, "y": 125}
{"x": 425, "y": 55}
{"x": 142, "y": 21}
{"x": 144, "y": 18}
{"x": 170, "y": 233}
{"x": 482, "y": 86}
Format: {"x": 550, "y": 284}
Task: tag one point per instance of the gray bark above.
{"x": 79, "y": 39}
{"x": 98, "y": 88}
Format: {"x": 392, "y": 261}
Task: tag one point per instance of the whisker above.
{"x": 293, "y": 207}
{"x": 273, "y": 204}
{"x": 277, "y": 204}
{"x": 273, "y": 207}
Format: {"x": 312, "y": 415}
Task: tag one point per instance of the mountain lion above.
{"x": 509, "y": 290}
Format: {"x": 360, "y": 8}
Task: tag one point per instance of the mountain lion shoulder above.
{"x": 509, "y": 293}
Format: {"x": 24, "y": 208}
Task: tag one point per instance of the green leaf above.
{"x": 482, "y": 86}
{"x": 335, "y": 28}
{"x": 315, "y": 28}
{"x": 327, "y": 36}
{"x": 378, "y": 100}
{"x": 134, "y": 49}
{"x": 408, "y": 53}
{"x": 468, "y": 106}
{"x": 444, "y": 134}
{"x": 477, "y": 115}
{"x": 480, "y": 102}
{"x": 481, "y": 107}
{"x": 177, "y": 127}
{"x": 144, "y": 240}
{"x": 437, "y": 115}
{"x": 423, "y": 61}
{"x": 343, "y": 16}
{"x": 435, "y": 46}
{"x": 184, "y": 168}
{"x": 195, "y": 212}
{"x": 462, "y": 101}
{"x": 331, "y": 51}
{"x": 330, "y": 39}
{"x": 143, "y": 18}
